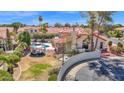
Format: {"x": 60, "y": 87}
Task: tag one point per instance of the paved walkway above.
{"x": 72, "y": 73}
{"x": 17, "y": 72}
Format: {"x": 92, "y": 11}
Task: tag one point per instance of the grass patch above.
{"x": 35, "y": 71}
{"x": 52, "y": 77}
{"x": 53, "y": 74}
{"x": 38, "y": 69}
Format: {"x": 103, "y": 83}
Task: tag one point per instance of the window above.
{"x": 35, "y": 30}
{"x": 31, "y": 31}
{"x": 101, "y": 45}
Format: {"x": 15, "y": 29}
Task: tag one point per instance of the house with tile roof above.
{"x": 73, "y": 38}
{"x": 30, "y": 29}
{"x": 102, "y": 41}
{"x": 120, "y": 29}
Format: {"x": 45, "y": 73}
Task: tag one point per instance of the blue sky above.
{"x": 31, "y": 17}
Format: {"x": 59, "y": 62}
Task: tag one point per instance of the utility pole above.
{"x": 63, "y": 52}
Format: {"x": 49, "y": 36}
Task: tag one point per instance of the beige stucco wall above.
{"x": 80, "y": 41}
{"x": 100, "y": 40}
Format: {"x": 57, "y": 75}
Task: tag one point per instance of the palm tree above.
{"x": 25, "y": 37}
{"x": 40, "y": 19}
{"x": 91, "y": 16}
{"x": 11, "y": 60}
{"x": 44, "y": 28}
{"x": 102, "y": 18}
{"x": 23, "y": 45}
{"x": 16, "y": 26}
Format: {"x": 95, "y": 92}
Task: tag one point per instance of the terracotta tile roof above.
{"x": 119, "y": 28}
{"x": 59, "y": 40}
{"x": 54, "y": 30}
{"x": 79, "y": 30}
{"x": 21, "y": 29}
{"x": 101, "y": 37}
{"x": 63, "y": 30}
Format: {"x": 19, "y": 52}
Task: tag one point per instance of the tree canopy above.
{"x": 117, "y": 25}
{"x": 25, "y": 37}
{"x": 58, "y": 25}
{"x": 115, "y": 33}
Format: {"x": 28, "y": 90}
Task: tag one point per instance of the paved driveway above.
{"x": 101, "y": 70}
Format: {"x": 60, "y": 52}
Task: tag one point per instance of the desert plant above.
{"x": 120, "y": 44}
{"x": 110, "y": 43}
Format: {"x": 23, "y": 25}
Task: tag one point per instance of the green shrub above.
{"x": 13, "y": 58}
{"x": 117, "y": 49}
{"x": 110, "y": 43}
{"x": 1, "y": 51}
{"x": 5, "y": 76}
{"x": 73, "y": 52}
{"x": 52, "y": 77}
{"x": 120, "y": 44}
{"x": 54, "y": 71}
{"x": 115, "y": 33}
{"x": 18, "y": 53}
{"x": 43, "y": 36}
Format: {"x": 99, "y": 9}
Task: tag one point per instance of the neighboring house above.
{"x": 70, "y": 39}
{"x": 121, "y": 29}
{"x": 30, "y": 29}
{"x": 63, "y": 43}
{"x": 102, "y": 41}
{"x": 78, "y": 39}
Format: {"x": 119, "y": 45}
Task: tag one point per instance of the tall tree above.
{"x": 67, "y": 25}
{"x": 102, "y": 18}
{"x": 117, "y": 25}
{"x": 16, "y": 26}
{"x": 91, "y": 17}
{"x": 40, "y": 19}
{"x": 58, "y": 25}
{"x": 97, "y": 19}
{"x": 11, "y": 60}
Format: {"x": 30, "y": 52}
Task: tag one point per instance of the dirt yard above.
{"x": 27, "y": 62}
